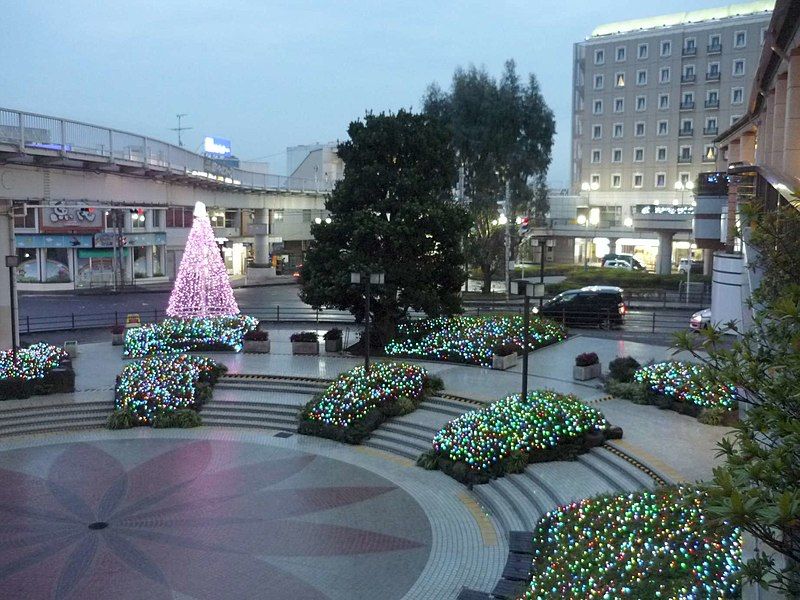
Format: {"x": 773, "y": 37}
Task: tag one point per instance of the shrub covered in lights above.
{"x": 156, "y": 390}
{"x": 357, "y": 402}
{"x": 181, "y": 335}
{"x": 685, "y": 387}
{"x": 470, "y": 339}
{"x": 38, "y": 370}
{"x": 510, "y": 433}
{"x": 641, "y": 545}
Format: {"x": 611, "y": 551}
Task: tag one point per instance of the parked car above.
{"x": 296, "y": 272}
{"x": 629, "y": 258}
{"x": 618, "y": 264}
{"x": 683, "y": 266}
{"x": 700, "y": 320}
{"x": 597, "y": 305}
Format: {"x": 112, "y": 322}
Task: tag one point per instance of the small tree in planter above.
{"x": 504, "y": 356}
{"x": 256, "y": 341}
{"x": 305, "y": 342}
{"x": 587, "y": 366}
{"x": 117, "y": 335}
{"x": 333, "y": 340}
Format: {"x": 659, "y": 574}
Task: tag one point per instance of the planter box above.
{"x": 117, "y": 339}
{"x": 504, "y": 362}
{"x": 260, "y": 346}
{"x": 333, "y": 345}
{"x": 584, "y": 373}
{"x": 305, "y": 347}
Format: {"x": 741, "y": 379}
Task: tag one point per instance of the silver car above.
{"x": 700, "y": 320}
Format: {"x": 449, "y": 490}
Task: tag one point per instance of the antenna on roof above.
{"x": 179, "y": 128}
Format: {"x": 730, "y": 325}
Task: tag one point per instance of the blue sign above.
{"x": 38, "y": 240}
{"x": 217, "y": 147}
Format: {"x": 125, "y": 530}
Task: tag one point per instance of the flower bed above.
{"x": 510, "y": 433}
{"x": 640, "y": 545}
{"x": 181, "y": 335}
{"x": 685, "y": 387}
{"x": 38, "y": 370}
{"x": 470, "y": 339}
{"x": 356, "y": 403}
{"x": 160, "y": 389}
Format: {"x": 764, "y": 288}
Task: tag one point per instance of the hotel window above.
{"x": 663, "y": 128}
{"x": 663, "y": 75}
{"x": 641, "y": 103}
{"x": 642, "y": 51}
{"x": 617, "y": 130}
{"x": 616, "y": 155}
{"x": 597, "y": 132}
{"x": 709, "y": 153}
{"x": 737, "y": 95}
{"x": 619, "y": 105}
{"x": 638, "y": 129}
{"x": 689, "y": 45}
{"x": 595, "y": 156}
{"x": 738, "y": 67}
{"x": 686, "y": 153}
{"x": 619, "y": 80}
{"x": 740, "y": 39}
{"x": 687, "y": 126}
{"x": 638, "y": 155}
{"x": 661, "y": 180}
{"x": 663, "y": 101}
{"x": 641, "y": 77}
{"x": 616, "y": 180}
{"x": 688, "y": 101}
{"x": 598, "y": 107}
{"x": 661, "y": 153}
{"x": 637, "y": 180}
{"x": 598, "y": 82}
{"x": 713, "y": 70}
{"x": 688, "y": 72}
{"x": 711, "y": 125}
{"x": 599, "y": 57}
{"x": 620, "y": 53}
{"x": 666, "y": 48}
{"x": 714, "y": 41}
{"x": 594, "y": 178}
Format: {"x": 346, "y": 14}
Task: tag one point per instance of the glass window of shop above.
{"x": 158, "y": 261}
{"x": 28, "y": 269}
{"x": 56, "y": 265}
{"x": 94, "y": 267}
{"x": 24, "y": 218}
{"x": 139, "y": 262}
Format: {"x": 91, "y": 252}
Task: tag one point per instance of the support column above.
{"x": 6, "y": 248}
{"x": 791, "y": 133}
{"x": 664, "y": 261}
{"x": 778, "y": 122}
{"x": 612, "y": 245}
{"x": 734, "y": 150}
{"x": 747, "y": 147}
{"x": 260, "y": 239}
{"x": 708, "y": 261}
{"x": 765, "y": 131}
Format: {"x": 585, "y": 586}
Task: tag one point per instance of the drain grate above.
{"x": 283, "y": 434}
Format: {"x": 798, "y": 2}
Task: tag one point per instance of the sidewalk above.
{"x": 160, "y": 288}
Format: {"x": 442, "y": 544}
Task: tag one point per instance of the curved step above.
{"x": 642, "y": 479}
{"x": 408, "y": 445}
{"x": 496, "y": 505}
{"x": 391, "y": 446}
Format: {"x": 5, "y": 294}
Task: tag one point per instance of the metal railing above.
{"x": 32, "y": 133}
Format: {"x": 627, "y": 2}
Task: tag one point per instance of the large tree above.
{"x": 394, "y": 213}
{"x": 502, "y": 131}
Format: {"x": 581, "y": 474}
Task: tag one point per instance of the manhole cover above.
{"x": 283, "y": 434}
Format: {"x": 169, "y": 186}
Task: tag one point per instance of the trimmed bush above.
{"x": 304, "y": 336}
{"x": 333, "y": 334}
{"x": 623, "y": 369}
{"x": 681, "y": 383}
{"x": 256, "y": 335}
{"x": 587, "y": 359}
{"x": 183, "y": 335}
{"x": 38, "y": 370}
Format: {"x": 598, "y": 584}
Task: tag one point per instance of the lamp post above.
{"x": 542, "y": 244}
{"x": 592, "y": 218}
{"x": 12, "y": 262}
{"x": 368, "y": 278}
{"x": 527, "y": 290}
{"x": 682, "y": 187}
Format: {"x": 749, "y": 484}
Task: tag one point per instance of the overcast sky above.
{"x": 267, "y": 75}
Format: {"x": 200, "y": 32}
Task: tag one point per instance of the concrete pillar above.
{"x": 765, "y": 131}
{"x": 664, "y": 260}
{"x": 791, "y": 133}
{"x": 778, "y": 122}
{"x": 747, "y": 147}
{"x": 260, "y": 239}
{"x": 708, "y": 261}
{"x": 722, "y": 163}
{"x": 6, "y": 248}
{"x": 612, "y": 245}
{"x": 734, "y": 150}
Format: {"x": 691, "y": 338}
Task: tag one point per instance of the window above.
{"x": 638, "y": 129}
{"x": 661, "y": 180}
{"x": 686, "y": 126}
{"x": 180, "y": 217}
{"x": 688, "y": 101}
{"x": 738, "y": 67}
{"x": 619, "y": 105}
{"x": 663, "y": 101}
{"x": 709, "y": 153}
{"x": 599, "y": 57}
{"x": 598, "y": 107}
{"x": 616, "y": 155}
{"x": 714, "y": 42}
{"x": 740, "y": 39}
{"x": 663, "y": 75}
{"x": 155, "y": 218}
{"x": 688, "y": 73}
{"x": 56, "y": 267}
{"x": 712, "y": 99}
{"x": 713, "y": 69}
{"x": 617, "y": 130}
{"x": 641, "y": 53}
{"x": 686, "y": 153}
{"x": 598, "y": 82}
{"x": 620, "y": 53}
{"x": 619, "y": 80}
{"x": 661, "y": 153}
{"x": 594, "y": 178}
{"x": 689, "y": 46}
{"x": 24, "y": 217}
{"x": 683, "y": 177}
{"x": 711, "y": 125}
{"x": 595, "y": 156}
{"x": 737, "y": 95}
{"x": 597, "y": 132}
{"x": 616, "y": 180}
{"x": 666, "y": 48}
{"x": 638, "y": 155}
{"x": 637, "y": 180}
{"x": 641, "y": 103}
{"x": 28, "y": 268}
{"x": 663, "y": 127}
{"x": 641, "y": 77}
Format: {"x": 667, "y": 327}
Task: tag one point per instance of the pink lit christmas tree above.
{"x": 201, "y": 288}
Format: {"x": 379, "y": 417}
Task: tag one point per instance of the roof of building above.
{"x": 685, "y": 18}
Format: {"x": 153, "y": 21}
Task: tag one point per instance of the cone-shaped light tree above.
{"x": 201, "y": 288}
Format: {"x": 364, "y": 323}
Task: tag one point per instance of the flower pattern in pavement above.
{"x": 191, "y": 519}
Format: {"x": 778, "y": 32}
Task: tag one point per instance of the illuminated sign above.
{"x": 217, "y": 147}
{"x": 654, "y": 209}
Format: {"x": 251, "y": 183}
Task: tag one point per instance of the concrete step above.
{"x": 496, "y": 505}
{"x": 393, "y": 447}
{"x": 412, "y": 445}
{"x": 415, "y": 433}
{"x": 51, "y": 408}
{"x": 454, "y": 405}
{"x": 621, "y": 478}
{"x": 641, "y": 478}
{"x": 446, "y": 407}
{"x": 567, "y": 481}
{"x": 228, "y": 421}
{"x": 254, "y": 411}
{"x": 54, "y": 423}
{"x": 519, "y": 500}
{"x": 71, "y": 411}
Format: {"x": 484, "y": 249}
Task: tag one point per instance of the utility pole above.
{"x": 463, "y": 202}
{"x": 507, "y": 213}
{"x": 179, "y": 128}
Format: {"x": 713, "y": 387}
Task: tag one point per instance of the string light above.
{"x": 686, "y": 382}
{"x": 34, "y": 362}
{"x": 469, "y": 339}
{"x": 171, "y": 335}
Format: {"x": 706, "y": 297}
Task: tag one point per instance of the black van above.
{"x": 597, "y": 305}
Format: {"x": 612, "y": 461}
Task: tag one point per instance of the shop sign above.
{"x": 35, "y": 240}
{"x": 70, "y": 216}
{"x": 105, "y": 239}
{"x": 655, "y": 209}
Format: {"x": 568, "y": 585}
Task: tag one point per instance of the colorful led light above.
{"x": 180, "y": 335}
{"x": 686, "y": 382}
{"x": 34, "y": 362}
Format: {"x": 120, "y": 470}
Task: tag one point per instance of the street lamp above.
{"x": 12, "y": 262}
{"x": 593, "y": 218}
{"x": 542, "y": 244}
{"x": 527, "y": 290}
{"x": 369, "y": 278}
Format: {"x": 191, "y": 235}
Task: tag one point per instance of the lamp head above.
{"x": 585, "y": 187}
{"x": 594, "y": 186}
{"x": 581, "y": 219}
